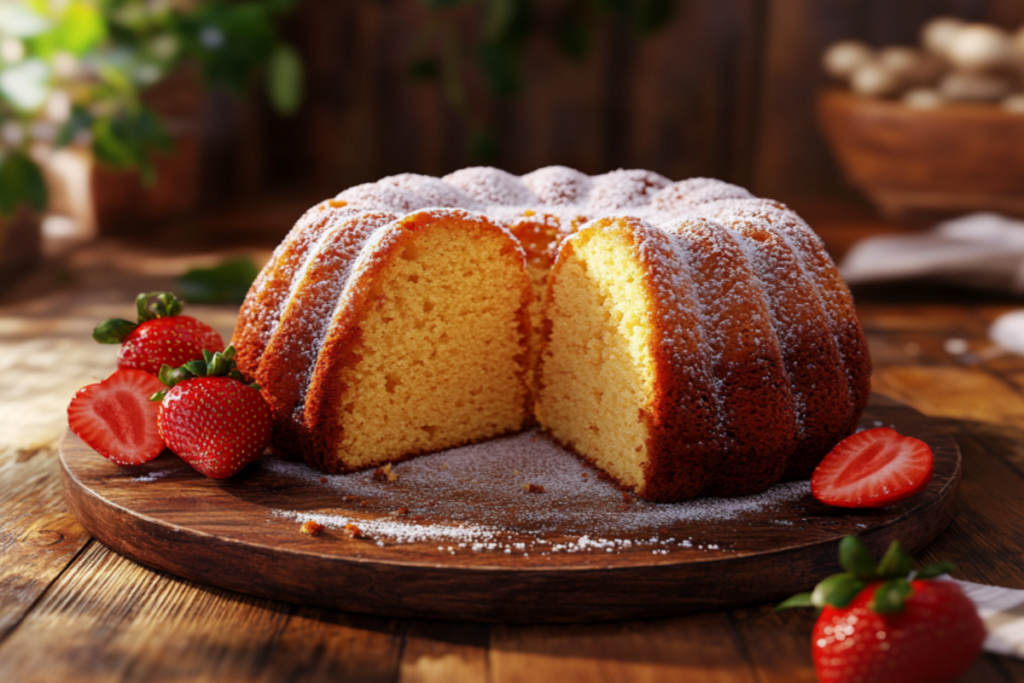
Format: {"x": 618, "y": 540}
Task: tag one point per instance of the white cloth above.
{"x": 983, "y": 250}
{"x": 1002, "y": 610}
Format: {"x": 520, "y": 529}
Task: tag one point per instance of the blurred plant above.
{"x": 226, "y": 283}
{"x": 73, "y": 71}
{"x": 494, "y": 50}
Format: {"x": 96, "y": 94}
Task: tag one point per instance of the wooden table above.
{"x": 71, "y": 610}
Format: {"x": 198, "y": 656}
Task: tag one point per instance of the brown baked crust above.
{"x": 294, "y": 348}
{"x": 264, "y": 303}
{"x": 757, "y": 411}
{"x": 809, "y": 351}
{"x": 839, "y": 313}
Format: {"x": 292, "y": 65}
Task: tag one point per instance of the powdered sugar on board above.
{"x": 520, "y": 494}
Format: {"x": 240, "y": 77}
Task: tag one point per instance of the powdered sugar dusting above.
{"x": 465, "y": 498}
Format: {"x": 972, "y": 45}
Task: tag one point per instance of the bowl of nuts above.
{"x": 937, "y": 128}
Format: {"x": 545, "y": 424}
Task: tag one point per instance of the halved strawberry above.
{"x": 873, "y": 469}
{"x": 117, "y": 419}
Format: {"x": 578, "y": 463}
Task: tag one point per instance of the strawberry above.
{"x": 889, "y": 624}
{"x": 872, "y": 469}
{"x": 210, "y": 418}
{"x": 161, "y": 337}
{"x": 116, "y": 418}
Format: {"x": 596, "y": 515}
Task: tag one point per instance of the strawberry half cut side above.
{"x": 116, "y": 418}
{"x": 873, "y": 468}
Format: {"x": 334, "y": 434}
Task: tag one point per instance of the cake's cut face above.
{"x": 598, "y": 370}
{"x": 442, "y": 351}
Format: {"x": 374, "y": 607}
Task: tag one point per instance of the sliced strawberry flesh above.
{"x": 873, "y": 468}
{"x": 116, "y": 419}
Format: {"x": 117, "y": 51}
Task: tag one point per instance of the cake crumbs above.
{"x": 323, "y": 480}
{"x": 354, "y": 531}
{"x": 385, "y": 473}
{"x": 471, "y": 509}
{"x": 312, "y": 528}
{"x": 533, "y": 488}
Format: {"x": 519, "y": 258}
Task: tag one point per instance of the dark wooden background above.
{"x": 725, "y": 90}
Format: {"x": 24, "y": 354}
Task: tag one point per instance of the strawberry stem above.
{"x": 219, "y": 364}
{"x": 152, "y": 305}
{"x": 896, "y": 567}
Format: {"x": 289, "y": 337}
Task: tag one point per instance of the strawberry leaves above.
{"x": 895, "y": 570}
{"x": 149, "y": 306}
{"x": 219, "y": 364}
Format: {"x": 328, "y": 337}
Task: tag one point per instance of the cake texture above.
{"x": 687, "y": 338}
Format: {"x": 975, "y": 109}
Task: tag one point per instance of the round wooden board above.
{"x": 475, "y": 546}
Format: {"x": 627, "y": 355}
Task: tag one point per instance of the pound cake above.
{"x": 686, "y": 338}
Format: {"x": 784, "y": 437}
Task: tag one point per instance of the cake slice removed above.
{"x": 624, "y": 378}
{"x": 427, "y": 348}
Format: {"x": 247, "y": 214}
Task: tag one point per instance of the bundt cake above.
{"x": 687, "y": 338}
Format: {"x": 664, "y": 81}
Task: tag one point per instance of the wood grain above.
{"x": 195, "y": 527}
{"x": 703, "y": 647}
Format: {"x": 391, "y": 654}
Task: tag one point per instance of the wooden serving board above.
{"x": 456, "y": 536}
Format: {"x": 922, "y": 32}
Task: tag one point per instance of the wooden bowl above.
{"x": 964, "y": 157}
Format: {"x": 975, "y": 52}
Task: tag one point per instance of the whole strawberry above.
{"x": 210, "y": 418}
{"x": 162, "y": 336}
{"x": 889, "y": 624}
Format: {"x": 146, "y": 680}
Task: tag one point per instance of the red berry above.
{"x": 873, "y": 468}
{"x": 934, "y": 639}
{"x": 216, "y": 424}
{"x": 117, "y": 419}
{"x": 170, "y": 341}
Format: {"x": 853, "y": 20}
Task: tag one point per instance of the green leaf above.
{"x": 895, "y": 563}
{"x": 227, "y": 282}
{"x": 285, "y": 80}
{"x": 798, "y": 600}
{"x": 936, "y": 569}
{"x": 113, "y": 331}
{"x": 79, "y": 29}
{"x": 856, "y": 559}
{"x": 21, "y": 182}
{"x": 837, "y": 590}
{"x": 108, "y": 147}
{"x": 26, "y": 84}
{"x": 890, "y": 596}
{"x": 18, "y": 21}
